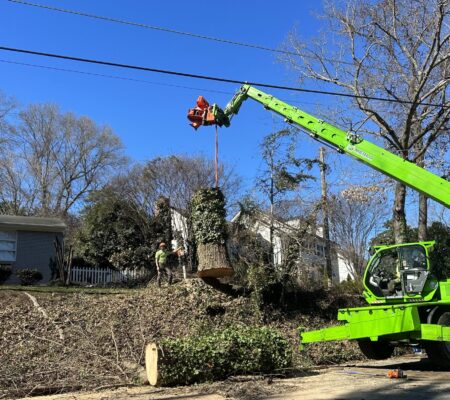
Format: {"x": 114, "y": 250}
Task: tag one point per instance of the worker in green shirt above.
{"x": 162, "y": 264}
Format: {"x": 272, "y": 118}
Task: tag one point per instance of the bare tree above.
{"x": 7, "y": 106}
{"x": 389, "y": 48}
{"x": 176, "y": 177}
{"x": 55, "y": 160}
{"x": 355, "y": 216}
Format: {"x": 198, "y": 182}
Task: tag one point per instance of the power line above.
{"x": 211, "y": 78}
{"x": 189, "y": 34}
{"x": 157, "y": 28}
{"x": 124, "y": 78}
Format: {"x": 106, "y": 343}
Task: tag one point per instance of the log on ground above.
{"x": 216, "y": 356}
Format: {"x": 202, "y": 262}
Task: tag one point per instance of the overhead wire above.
{"x": 112, "y": 76}
{"x": 188, "y": 34}
{"x": 124, "y": 78}
{"x": 213, "y": 78}
{"x": 163, "y": 29}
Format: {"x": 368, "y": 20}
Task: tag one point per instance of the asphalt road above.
{"x": 369, "y": 381}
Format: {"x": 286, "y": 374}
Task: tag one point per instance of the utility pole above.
{"x": 325, "y": 223}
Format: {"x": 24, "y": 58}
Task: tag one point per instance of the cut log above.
{"x": 213, "y": 261}
{"x": 151, "y": 363}
{"x": 216, "y": 355}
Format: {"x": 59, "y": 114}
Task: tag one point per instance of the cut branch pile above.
{"x": 57, "y": 342}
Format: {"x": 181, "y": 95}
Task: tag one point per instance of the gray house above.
{"x": 28, "y": 242}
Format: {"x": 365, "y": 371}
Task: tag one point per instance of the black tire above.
{"x": 439, "y": 352}
{"x": 375, "y": 350}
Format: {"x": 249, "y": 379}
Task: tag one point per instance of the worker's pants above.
{"x": 164, "y": 270}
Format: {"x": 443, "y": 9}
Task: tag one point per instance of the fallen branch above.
{"x": 43, "y": 312}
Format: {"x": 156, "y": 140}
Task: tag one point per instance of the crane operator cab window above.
{"x": 397, "y": 271}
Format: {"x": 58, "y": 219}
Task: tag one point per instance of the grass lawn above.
{"x": 70, "y": 289}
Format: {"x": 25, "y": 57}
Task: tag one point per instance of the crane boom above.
{"x": 363, "y": 150}
{"x": 407, "y": 303}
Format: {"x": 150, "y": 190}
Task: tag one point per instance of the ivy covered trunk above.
{"x": 208, "y": 217}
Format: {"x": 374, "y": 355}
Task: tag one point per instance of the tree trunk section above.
{"x": 423, "y": 217}
{"x": 152, "y": 356}
{"x": 399, "y": 216}
{"x": 216, "y": 355}
{"x": 213, "y": 261}
{"x": 326, "y": 225}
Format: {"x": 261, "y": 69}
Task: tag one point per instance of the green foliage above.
{"x": 162, "y": 222}
{"x": 261, "y": 280}
{"x": 113, "y": 234}
{"x": 351, "y": 287}
{"x": 440, "y": 256}
{"x": 284, "y": 170}
{"x": 387, "y": 236}
{"x": 5, "y": 273}
{"x": 208, "y": 216}
{"x": 223, "y": 353}
{"x": 28, "y": 276}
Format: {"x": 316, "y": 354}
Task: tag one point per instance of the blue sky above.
{"x": 151, "y": 118}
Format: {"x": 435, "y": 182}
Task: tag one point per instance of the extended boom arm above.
{"x": 370, "y": 154}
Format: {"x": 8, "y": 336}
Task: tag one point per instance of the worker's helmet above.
{"x": 162, "y": 244}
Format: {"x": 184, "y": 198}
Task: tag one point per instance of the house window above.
{"x": 320, "y": 250}
{"x": 8, "y": 246}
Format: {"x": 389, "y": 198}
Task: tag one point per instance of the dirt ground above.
{"x": 363, "y": 380}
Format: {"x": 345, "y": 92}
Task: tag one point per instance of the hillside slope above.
{"x": 53, "y": 342}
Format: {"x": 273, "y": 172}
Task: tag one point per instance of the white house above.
{"x": 179, "y": 224}
{"x": 311, "y": 256}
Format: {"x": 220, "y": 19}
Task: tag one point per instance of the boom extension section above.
{"x": 349, "y": 143}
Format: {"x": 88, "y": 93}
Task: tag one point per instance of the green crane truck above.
{"x": 408, "y": 305}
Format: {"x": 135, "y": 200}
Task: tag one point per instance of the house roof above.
{"x": 36, "y": 224}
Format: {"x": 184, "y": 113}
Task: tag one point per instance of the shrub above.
{"x": 5, "y": 273}
{"x": 29, "y": 276}
{"x": 223, "y": 353}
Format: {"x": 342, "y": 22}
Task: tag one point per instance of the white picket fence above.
{"x": 95, "y": 276}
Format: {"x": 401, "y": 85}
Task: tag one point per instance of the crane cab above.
{"x": 399, "y": 273}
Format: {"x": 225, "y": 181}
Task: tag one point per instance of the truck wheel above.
{"x": 375, "y": 350}
{"x": 439, "y": 352}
